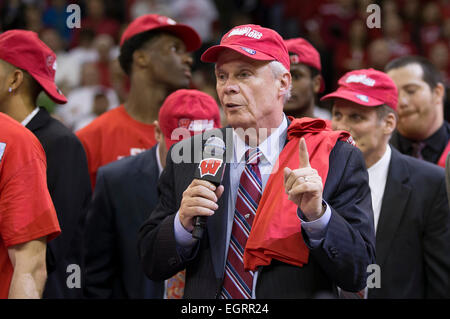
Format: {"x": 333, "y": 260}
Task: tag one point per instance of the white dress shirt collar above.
{"x": 270, "y": 147}
{"x": 30, "y": 117}
{"x": 158, "y": 160}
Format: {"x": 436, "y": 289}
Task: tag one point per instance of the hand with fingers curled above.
{"x": 199, "y": 199}
{"x": 304, "y": 186}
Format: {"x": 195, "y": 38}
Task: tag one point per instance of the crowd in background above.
{"x": 131, "y": 65}
{"x": 90, "y": 76}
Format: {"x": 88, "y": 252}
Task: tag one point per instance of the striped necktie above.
{"x": 237, "y": 282}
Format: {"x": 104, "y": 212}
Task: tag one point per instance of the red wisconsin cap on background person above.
{"x": 251, "y": 40}
{"x": 302, "y": 52}
{"x": 367, "y": 87}
{"x": 26, "y": 51}
{"x": 150, "y": 22}
{"x": 192, "y": 110}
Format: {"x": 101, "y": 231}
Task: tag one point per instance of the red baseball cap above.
{"x": 302, "y": 52}
{"x": 192, "y": 110}
{"x": 149, "y": 22}
{"x": 26, "y": 51}
{"x": 367, "y": 87}
{"x": 251, "y": 40}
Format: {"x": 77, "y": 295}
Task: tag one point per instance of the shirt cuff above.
{"x": 316, "y": 229}
{"x": 183, "y": 238}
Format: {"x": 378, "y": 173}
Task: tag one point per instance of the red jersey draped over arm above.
{"x": 275, "y": 233}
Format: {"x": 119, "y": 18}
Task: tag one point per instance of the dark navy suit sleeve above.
{"x": 101, "y": 247}
{"x": 156, "y": 244}
{"x": 349, "y": 243}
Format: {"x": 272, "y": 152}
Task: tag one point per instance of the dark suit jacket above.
{"x": 413, "y": 233}
{"x": 125, "y": 194}
{"x": 447, "y": 175}
{"x": 341, "y": 258}
{"x": 70, "y": 190}
{"x": 435, "y": 144}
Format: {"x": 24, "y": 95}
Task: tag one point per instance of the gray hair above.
{"x": 278, "y": 70}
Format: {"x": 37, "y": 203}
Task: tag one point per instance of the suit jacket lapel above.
{"x": 146, "y": 177}
{"x": 216, "y": 230}
{"x": 149, "y": 165}
{"x": 395, "y": 198}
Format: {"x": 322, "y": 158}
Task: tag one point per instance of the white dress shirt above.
{"x": 377, "y": 182}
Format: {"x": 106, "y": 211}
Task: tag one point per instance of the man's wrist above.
{"x": 317, "y": 216}
{"x": 316, "y": 229}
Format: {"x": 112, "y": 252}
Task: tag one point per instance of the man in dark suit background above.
{"x": 408, "y": 195}
{"x": 126, "y": 194}
{"x": 422, "y": 131}
{"x": 33, "y": 67}
{"x": 253, "y": 83}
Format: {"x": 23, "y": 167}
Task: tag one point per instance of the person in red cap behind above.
{"x": 126, "y": 194}
{"x": 283, "y": 224}
{"x": 411, "y": 222}
{"x": 154, "y": 53}
{"x": 307, "y": 81}
{"x": 30, "y": 68}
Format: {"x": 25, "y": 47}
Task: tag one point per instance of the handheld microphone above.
{"x": 210, "y": 169}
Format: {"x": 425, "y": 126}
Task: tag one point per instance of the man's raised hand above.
{"x": 304, "y": 186}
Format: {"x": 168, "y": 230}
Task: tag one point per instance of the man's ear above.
{"x": 316, "y": 82}
{"x": 15, "y": 79}
{"x": 158, "y": 133}
{"x": 390, "y": 123}
{"x": 285, "y": 83}
{"x": 438, "y": 94}
{"x": 140, "y": 58}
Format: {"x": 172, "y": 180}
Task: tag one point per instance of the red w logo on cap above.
{"x": 210, "y": 166}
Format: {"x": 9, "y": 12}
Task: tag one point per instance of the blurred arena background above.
{"x": 89, "y": 74}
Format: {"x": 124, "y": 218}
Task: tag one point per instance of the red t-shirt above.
{"x": 26, "y": 209}
{"x": 113, "y": 135}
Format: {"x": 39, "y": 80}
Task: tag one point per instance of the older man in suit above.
{"x": 125, "y": 196}
{"x": 408, "y": 195}
{"x": 332, "y": 242}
